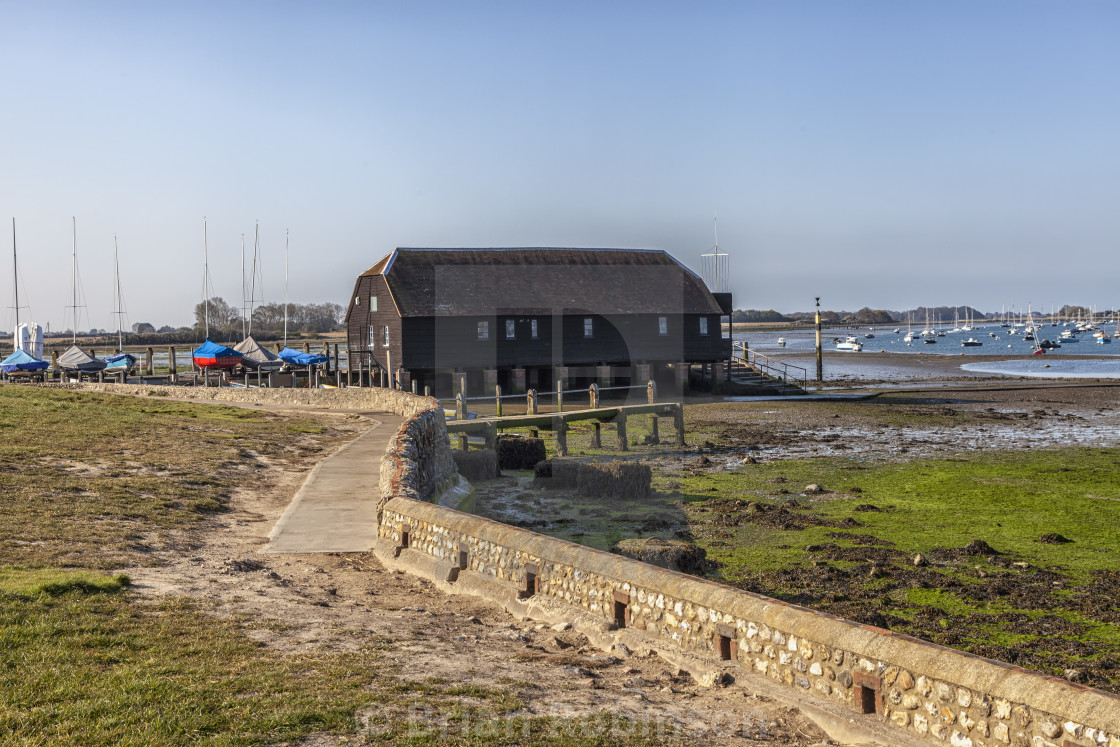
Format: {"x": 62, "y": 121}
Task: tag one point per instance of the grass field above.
{"x": 92, "y": 483}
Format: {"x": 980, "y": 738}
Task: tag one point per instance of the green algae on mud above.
{"x": 1019, "y": 558}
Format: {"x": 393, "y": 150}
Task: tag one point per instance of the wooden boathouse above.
{"x": 526, "y": 318}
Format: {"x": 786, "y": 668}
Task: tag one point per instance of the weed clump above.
{"x": 481, "y": 464}
{"x": 520, "y": 452}
{"x": 600, "y": 480}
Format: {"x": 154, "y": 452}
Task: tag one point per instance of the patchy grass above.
{"x": 851, "y": 549}
{"x": 92, "y": 482}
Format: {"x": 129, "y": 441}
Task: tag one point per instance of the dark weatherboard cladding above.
{"x": 529, "y": 312}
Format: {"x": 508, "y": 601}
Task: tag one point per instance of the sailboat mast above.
{"x": 253, "y": 279}
{"x": 243, "y": 333}
{"x": 205, "y": 279}
{"x": 285, "y": 286}
{"x": 74, "y": 335}
{"x": 15, "y": 272}
{"x": 117, "y": 268}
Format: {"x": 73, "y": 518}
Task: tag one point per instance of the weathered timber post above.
{"x": 172, "y": 367}
{"x": 414, "y": 386}
{"x": 307, "y": 348}
{"x": 498, "y": 399}
{"x": 100, "y": 376}
{"x": 151, "y": 365}
{"x": 531, "y": 402}
{"x": 559, "y": 395}
{"x": 534, "y": 433}
{"x": 678, "y": 422}
{"x": 593, "y": 395}
{"x": 427, "y": 391}
{"x": 278, "y": 347}
{"x": 491, "y": 436}
{"x": 246, "y": 379}
{"x": 561, "y": 429}
{"x": 336, "y": 356}
{"x": 460, "y": 406}
{"x": 596, "y": 435}
{"x": 463, "y": 445}
{"x": 620, "y": 423}
{"x": 389, "y": 369}
{"x": 54, "y": 365}
{"x": 655, "y": 437}
{"x": 258, "y": 377}
{"x": 651, "y": 392}
{"x": 327, "y": 355}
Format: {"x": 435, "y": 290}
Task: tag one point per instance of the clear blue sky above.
{"x": 888, "y": 154}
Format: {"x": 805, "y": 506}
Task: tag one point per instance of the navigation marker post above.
{"x": 820, "y": 360}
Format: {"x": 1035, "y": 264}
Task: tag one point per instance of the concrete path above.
{"x": 335, "y": 509}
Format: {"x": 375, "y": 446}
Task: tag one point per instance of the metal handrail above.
{"x": 770, "y": 366}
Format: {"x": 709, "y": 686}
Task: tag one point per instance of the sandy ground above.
{"x": 341, "y": 601}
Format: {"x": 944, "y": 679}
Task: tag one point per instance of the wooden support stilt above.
{"x": 561, "y": 429}
{"x": 620, "y": 423}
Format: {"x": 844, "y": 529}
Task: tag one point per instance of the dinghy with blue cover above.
{"x": 296, "y": 358}
{"x": 120, "y": 362}
{"x": 22, "y": 362}
{"x": 212, "y": 355}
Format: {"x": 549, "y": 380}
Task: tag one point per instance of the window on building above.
{"x": 373, "y": 303}
{"x": 533, "y": 329}
{"x": 663, "y": 325}
{"x": 357, "y": 300}
{"x": 511, "y": 329}
{"x": 703, "y": 325}
{"x": 588, "y": 326}
{"x": 484, "y": 330}
{"x": 372, "y": 339}
{"x": 385, "y": 332}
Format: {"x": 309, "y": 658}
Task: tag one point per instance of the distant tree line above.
{"x": 268, "y": 319}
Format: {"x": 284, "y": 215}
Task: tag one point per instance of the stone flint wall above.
{"x": 931, "y": 691}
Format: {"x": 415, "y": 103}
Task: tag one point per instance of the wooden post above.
{"x": 651, "y": 392}
{"x": 620, "y": 423}
{"x": 534, "y": 433}
{"x": 593, "y": 395}
{"x": 327, "y": 355}
{"x": 307, "y": 347}
{"x": 414, "y": 386}
{"x": 463, "y": 444}
{"x": 172, "y": 373}
{"x": 531, "y": 402}
{"x": 561, "y": 429}
{"x": 389, "y": 369}
{"x": 258, "y": 377}
{"x": 491, "y": 436}
{"x": 151, "y": 366}
{"x": 559, "y": 395}
{"x": 655, "y": 437}
{"x": 498, "y": 399}
{"x": 678, "y": 422}
{"x": 596, "y": 435}
{"x": 460, "y": 406}
{"x": 54, "y": 365}
{"x": 247, "y": 378}
{"x": 336, "y": 356}
{"x": 427, "y": 391}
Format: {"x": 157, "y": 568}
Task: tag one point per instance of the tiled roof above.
{"x": 455, "y": 282}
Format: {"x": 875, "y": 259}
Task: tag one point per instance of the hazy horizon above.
{"x": 873, "y": 153}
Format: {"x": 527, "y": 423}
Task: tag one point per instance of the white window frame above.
{"x": 511, "y": 329}
{"x": 372, "y": 303}
{"x": 534, "y": 329}
{"x": 662, "y": 325}
{"x": 588, "y": 328}
{"x": 372, "y": 338}
{"x": 483, "y": 331}
{"x": 703, "y": 326}
{"x": 385, "y": 341}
